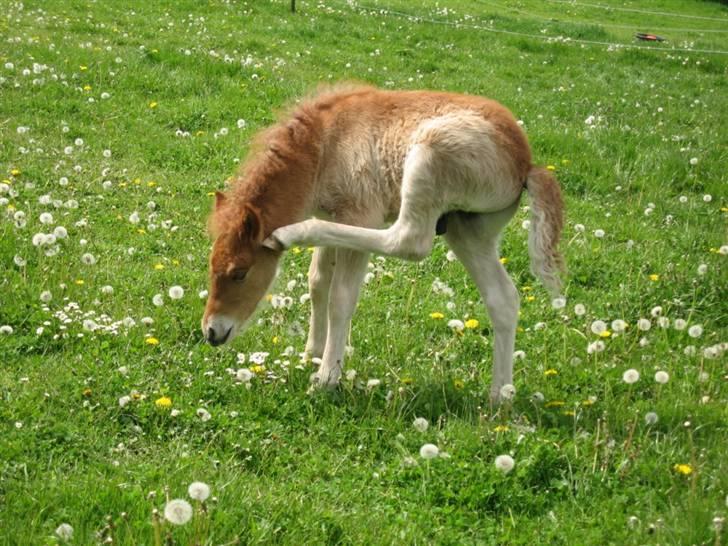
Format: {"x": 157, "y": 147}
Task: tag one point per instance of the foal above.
{"x": 363, "y": 158}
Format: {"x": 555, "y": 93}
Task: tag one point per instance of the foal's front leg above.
{"x": 319, "y": 281}
{"x": 343, "y": 294}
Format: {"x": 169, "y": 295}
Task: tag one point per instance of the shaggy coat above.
{"x": 359, "y": 159}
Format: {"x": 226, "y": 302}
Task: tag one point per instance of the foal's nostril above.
{"x": 215, "y": 340}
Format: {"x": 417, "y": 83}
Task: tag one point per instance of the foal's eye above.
{"x": 238, "y": 275}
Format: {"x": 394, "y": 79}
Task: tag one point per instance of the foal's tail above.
{"x": 547, "y": 219}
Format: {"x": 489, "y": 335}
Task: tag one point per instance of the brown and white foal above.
{"x": 363, "y": 158}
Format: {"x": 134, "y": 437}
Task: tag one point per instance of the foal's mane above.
{"x": 281, "y": 162}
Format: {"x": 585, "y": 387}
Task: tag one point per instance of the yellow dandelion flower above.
{"x": 530, "y": 298}
{"x": 406, "y": 380}
{"x": 151, "y": 341}
{"x": 605, "y": 333}
{"x": 158, "y": 267}
{"x": 199, "y": 133}
{"x": 472, "y": 324}
{"x": 79, "y": 282}
{"x": 175, "y": 262}
{"x": 163, "y": 402}
{"x": 587, "y": 402}
{"x": 566, "y": 161}
{"x": 458, "y": 384}
{"x": 87, "y": 87}
{"x": 296, "y": 250}
{"x": 569, "y": 413}
{"x": 258, "y": 369}
{"x": 551, "y": 167}
{"x": 311, "y": 249}
{"x": 526, "y": 288}
{"x": 153, "y": 104}
{"x": 554, "y": 404}
{"x": 151, "y": 184}
{"x": 275, "y": 340}
{"x": 87, "y": 392}
{"x": 550, "y": 372}
{"x": 654, "y": 277}
{"x": 268, "y": 297}
{"x": 137, "y": 181}
{"x": 684, "y": 469}
{"x": 501, "y": 428}
{"x": 16, "y": 172}
{"x": 504, "y": 260}
{"x": 210, "y": 193}
{"x": 437, "y": 315}
{"x": 141, "y": 231}
{"x": 83, "y": 68}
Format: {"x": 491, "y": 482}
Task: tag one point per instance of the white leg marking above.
{"x": 474, "y": 239}
{"x": 319, "y": 282}
{"x": 343, "y": 295}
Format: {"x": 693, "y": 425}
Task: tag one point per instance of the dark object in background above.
{"x": 649, "y": 37}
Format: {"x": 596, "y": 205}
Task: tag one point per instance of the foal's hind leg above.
{"x": 319, "y": 281}
{"x": 410, "y": 237}
{"x": 474, "y": 239}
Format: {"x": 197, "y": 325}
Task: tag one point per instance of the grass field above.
{"x": 118, "y": 120}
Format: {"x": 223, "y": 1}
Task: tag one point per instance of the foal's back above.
{"x": 366, "y": 134}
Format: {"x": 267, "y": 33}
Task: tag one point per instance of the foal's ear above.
{"x": 252, "y": 224}
{"x": 219, "y": 200}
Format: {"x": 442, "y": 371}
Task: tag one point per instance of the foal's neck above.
{"x": 278, "y": 180}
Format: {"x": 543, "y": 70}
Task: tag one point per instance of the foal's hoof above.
{"x": 321, "y": 382}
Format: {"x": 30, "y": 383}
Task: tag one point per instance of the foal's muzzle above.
{"x": 216, "y": 338}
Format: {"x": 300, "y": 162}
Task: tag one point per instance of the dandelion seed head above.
{"x": 662, "y": 377}
{"x": 65, "y": 532}
{"x": 695, "y": 331}
{"x": 651, "y": 418}
{"x": 504, "y": 463}
{"x": 508, "y": 391}
{"x": 176, "y": 292}
{"x": 631, "y": 376}
{"x": 178, "y": 511}
{"x": 198, "y": 491}
{"x": 421, "y": 424}
{"x": 429, "y": 451}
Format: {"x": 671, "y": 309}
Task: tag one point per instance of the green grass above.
{"x": 291, "y": 468}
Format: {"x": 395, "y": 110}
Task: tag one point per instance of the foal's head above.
{"x": 241, "y": 269}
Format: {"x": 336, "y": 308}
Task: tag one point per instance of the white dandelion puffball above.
{"x": 429, "y": 451}
{"x": 662, "y": 377}
{"x": 124, "y": 400}
{"x": 631, "y": 376}
{"x": 693, "y": 160}
{"x": 618, "y": 326}
{"x": 456, "y": 324}
{"x": 695, "y": 331}
{"x": 6, "y": 329}
{"x": 60, "y": 232}
{"x": 372, "y": 383}
{"x": 64, "y": 531}
{"x": 702, "y": 269}
{"x": 680, "y": 324}
{"x": 134, "y": 217}
{"x": 198, "y": 491}
{"x": 107, "y": 289}
{"x": 203, "y": 414}
{"x": 158, "y": 300}
{"x": 46, "y": 296}
{"x": 46, "y": 218}
{"x": 178, "y": 511}
{"x": 176, "y": 292}
{"x": 644, "y": 324}
{"x": 651, "y": 418}
{"x": 421, "y": 424}
{"x": 244, "y": 375}
{"x": 88, "y": 259}
{"x": 508, "y": 391}
{"x": 579, "y": 310}
{"x": 203, "y": 294}
{"x": 599, "y": 233}
{"x": 598, "y": 327}
{"x": 504, "y": 463}
{"x": 558, "y": 303}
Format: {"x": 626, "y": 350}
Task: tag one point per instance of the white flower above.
{"x": 579, "y": 310}
{"x": 526, "y": 224}
{"x": 680, "y": 324}
{"x": 244, "y": 375}
{"x": 350, "y": 375}
{"x": 241, "y": 124}
{"x": 198, "y": 491}
{"x": 178, "y": 511}
{"x": 88, "y": 259}
{"x": 579, "y": 228}
{"x": 258, "y": 357}
{"x": 558, "y": 303}
{"x": 656, "y": 311}
{"x": 723, "y": 250}
{"x": 693, "y": 160}
{"x": 134, "y": 217}
{"x": 124, "y": 400}
{"x": 599, "y": 233}
{"x": 644, "y": 324}
{"x": 46, "y": 296}
{"x": 60, "y": 232}
{"x": 373, "y": 383}
{"x": 598, "y": 326}
{"x": 39, "y": 239}
{"x": 203, "y": 414}
{"x": 651, "y": 418}
{"x": 421, "y": 424}
{"x": 662, "y": 377}
{"x": 106, "y": 153}
{"x": 519, "y": 355}
{"x": 618, "y": 326}
{"x": 5, "y": 329}
{"x": 456, "y": 325}
{"x": 64, "y": 531}
{"x": 107, "y": 289}
{"x": 157, "y": 300}
{"x": 507, "y": 391}
{"x": 695, "y": 331}
{"x": 429, "y": 451}
{"x": 46, "y": 218}
{"x": 450, "y": 256}
{"x": 683, "y": 199}
{"x": 148, "y": 321}
{"x": 690, "y": 350}
{"x": 595, "y": 347}
{"x": 702, "y": 269}
{"x": 176, "y": 292}
{"x": 203, "y": 294}
{"x": 631, "y": 376}
{"x": 707, "y": 198}
{"x": 504, "y": 463}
